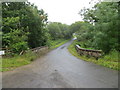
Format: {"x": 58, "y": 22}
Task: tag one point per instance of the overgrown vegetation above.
{"x": 110, "y": 60}
{"x": 99, "y": 30}
{"x": 25, "y": 27}
{"x": 10, "y": 63}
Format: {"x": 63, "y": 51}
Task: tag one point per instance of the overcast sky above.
{"x": 64, "y": 11}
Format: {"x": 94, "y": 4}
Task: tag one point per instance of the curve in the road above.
{"x": 59, "y": 69}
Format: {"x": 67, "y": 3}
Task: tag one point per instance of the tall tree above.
{"x": 104, "y": 17}
{"x": 23, "y": 26}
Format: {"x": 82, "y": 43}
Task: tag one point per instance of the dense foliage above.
{"x": 59, "y": 31}
{"x": 100, "y": 27}
{"x": 23, "y": 26}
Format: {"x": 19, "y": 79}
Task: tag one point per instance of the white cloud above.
{"x": 64, "y": 11}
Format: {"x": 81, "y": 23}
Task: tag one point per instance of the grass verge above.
{"x": 17, "y": 61}
{"x": 57, "y": 43}
{"x": 10, "y": 63}
{"x": 110, "y": 60}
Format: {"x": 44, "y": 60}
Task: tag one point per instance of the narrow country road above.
{"x": 60, "y": 69}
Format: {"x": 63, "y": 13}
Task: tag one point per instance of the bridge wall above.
{"x": 88, "y": 52}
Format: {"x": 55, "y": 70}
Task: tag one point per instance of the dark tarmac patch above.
{"x": 57, "y": 80}
{"x": 62, "y": 47}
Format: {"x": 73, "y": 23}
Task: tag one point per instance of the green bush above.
{"x": 112, "y": 56}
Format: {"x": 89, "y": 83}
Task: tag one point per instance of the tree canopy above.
{"x": 102, "y": 26}
{"x": 23, "y": 26}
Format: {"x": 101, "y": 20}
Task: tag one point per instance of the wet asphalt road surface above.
{"x": 60, "y": 69}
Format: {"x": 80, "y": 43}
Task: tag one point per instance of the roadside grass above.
{"x": 57, "y": 43}
{"x": 109, "y": 61}
{"x": 10, "y": 63}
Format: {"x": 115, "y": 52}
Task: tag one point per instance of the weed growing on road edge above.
{"x": 110, "y": 60}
